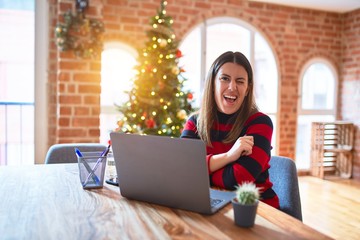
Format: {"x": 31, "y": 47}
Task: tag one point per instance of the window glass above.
{"x": 317, "y": 104}
{"x": 191, "y": 63}
{"x": 265, "y": 75}
{"x": 116, "y": 74}
{"x": 318, "y": 87}
{"x": 222, "y": 37}
{"x": 17, "y": 33}
{"x": 117, "y": 62}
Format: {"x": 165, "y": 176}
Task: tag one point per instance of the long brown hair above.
{"x": 208, "y": 109}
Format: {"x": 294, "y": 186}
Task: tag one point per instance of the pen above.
{"x": 97, "y": 164}
{"x": 88, "y": 168}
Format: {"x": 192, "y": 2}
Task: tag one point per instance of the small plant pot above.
{"x": 244, "y": 215}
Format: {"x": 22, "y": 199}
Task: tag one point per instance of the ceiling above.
{"x": 340, "y": 6}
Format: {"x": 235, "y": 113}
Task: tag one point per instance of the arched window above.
{"x": 117, "y": 62}
{"x": 317, "y": 102}
{"x": 208, "y": 40}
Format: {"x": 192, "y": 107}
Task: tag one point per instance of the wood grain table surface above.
{"x": 48, "y": 202}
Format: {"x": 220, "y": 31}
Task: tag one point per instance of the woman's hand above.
{"x": 242, "y": 146}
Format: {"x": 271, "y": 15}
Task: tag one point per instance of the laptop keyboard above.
{"x": 214, "y": 201}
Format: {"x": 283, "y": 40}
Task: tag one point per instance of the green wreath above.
{"x": 83, "y": 36}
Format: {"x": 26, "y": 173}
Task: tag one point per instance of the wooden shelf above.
{"x": 332, "y": 146}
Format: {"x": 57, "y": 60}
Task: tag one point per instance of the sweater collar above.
{"x": 224, "y": 118}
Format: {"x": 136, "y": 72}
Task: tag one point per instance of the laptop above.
{"x": 166, "y": 171}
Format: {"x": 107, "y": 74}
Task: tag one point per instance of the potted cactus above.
{"x": 245, "y": 204}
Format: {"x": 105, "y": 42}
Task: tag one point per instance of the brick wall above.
{"x": 74, "y": 86}
{"x": 350, "y": 87}
{"x": 296, "y": 35}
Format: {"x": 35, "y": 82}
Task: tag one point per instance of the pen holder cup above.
{"x": 92, "y": 169}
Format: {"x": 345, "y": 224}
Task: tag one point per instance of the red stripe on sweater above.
{"x": 241, "y": 174}
{"x": 218, "y": 147}
{"x": 222, "y": 127}
{"x": 217, "y": 178}
{"x": 190, "y": 125}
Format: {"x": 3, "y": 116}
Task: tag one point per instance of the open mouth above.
{"x": 230, "y": 98}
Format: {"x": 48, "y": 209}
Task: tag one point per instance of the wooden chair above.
{"x": 65, "y": 152}
{"x": 283, "y": 175}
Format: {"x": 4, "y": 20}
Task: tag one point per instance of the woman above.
{"x": 237, "y": 135}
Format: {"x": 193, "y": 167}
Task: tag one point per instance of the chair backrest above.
{"x": 283, "y": 175}
{"x": 65, "y": 152}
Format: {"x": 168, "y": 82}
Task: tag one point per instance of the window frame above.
{"x": 41, "y": 75}
{"x": 314, "y": 112}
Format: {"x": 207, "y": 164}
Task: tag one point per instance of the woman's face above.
{"x": 231, "y": 87}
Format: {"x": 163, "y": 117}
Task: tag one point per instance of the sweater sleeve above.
{"x": 249, "y": 168}
{"x": 190, "y": 131}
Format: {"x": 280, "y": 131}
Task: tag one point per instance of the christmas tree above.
{"x": 157, "y": 104}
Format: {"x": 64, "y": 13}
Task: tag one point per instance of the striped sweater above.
{"x": 252, "y": 168}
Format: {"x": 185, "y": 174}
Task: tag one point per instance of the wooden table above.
{"x": 48, "y": 202}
